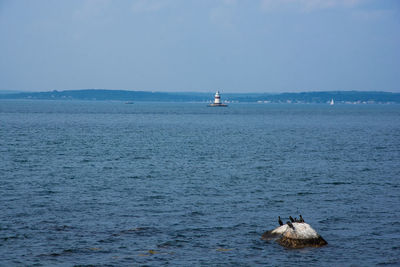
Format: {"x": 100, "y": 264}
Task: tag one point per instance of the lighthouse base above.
{"x": 217, "y": 105}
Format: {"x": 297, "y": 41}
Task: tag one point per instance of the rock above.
{"x": 303, "y": 235}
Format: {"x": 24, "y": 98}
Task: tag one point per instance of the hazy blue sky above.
{"x": 203, "y": 45}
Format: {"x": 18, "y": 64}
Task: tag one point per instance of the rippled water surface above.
{"x": 105, "y": 183}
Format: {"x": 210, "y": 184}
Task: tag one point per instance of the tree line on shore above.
{"x": 124, "y": 95}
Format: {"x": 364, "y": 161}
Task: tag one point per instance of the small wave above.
{"x": 20, "y": 160}
{"x": 305, "y": 193}
{"x": 134, "y": 177}
{"x": 366, "y": 169}
{"x": 107, "y": 168}
{"x": 7, "y": 238}
{"x": 140, "y": 231}
{"x": 61, "y": 253}
{"x": 60, "y": 228}
{"x": 194, "y": 214}
{"x": 333, "y": 220}
{"x": 177, "y": 243}
{"x": 276, "y": 201}
{"x": 393, "y": 262}
{"x": 70, "y": 251}
{"x": 338, "y": 183}
{"x": 140, "y": 157}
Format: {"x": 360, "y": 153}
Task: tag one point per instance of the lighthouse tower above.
{"x": 217, "y": 98}
{"x": 217, "y": 101}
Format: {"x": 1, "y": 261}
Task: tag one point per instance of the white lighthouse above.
{"x": 217, "y": 101}
{"x": 217, "y": 98}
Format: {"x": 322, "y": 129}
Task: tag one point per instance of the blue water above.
{"x": 104, "y": 183}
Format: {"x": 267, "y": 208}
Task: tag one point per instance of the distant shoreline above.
{"x": 339, "y": 97}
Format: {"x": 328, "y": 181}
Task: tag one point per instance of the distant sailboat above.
{"x": 332, "y": 102}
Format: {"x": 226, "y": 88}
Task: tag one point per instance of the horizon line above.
{"x": 197, "y": 92}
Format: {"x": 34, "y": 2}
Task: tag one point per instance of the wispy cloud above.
{"x": 222, "y": 13}
{"x": 229, "y": 2}
{"x": 140, "y": 6}
{"x": 308, "y": 5}
{"x": 92, "y": 8}
{"x": 373, "y": 15}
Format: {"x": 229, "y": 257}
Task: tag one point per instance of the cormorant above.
{"x": 301, "y": 219}
{"x": 290, "y": 225}
{"x": 279, "y": 220}
{"x": 291, "y": 218}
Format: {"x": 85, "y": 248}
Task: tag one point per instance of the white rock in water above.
{"x": 300, "y": 231}
{"x": 303, "y": 235}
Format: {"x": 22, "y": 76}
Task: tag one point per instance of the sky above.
{"x": 267, "y": 46}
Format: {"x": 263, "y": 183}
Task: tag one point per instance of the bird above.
{"x": 291, "y": 218}
{"x": 290, "y": 225}
{"x": 301, "y": 219}
{"x": 295, "y": 219}
{"x": 279, "y": 220}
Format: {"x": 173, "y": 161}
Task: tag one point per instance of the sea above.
{"x": 97, "y": 183}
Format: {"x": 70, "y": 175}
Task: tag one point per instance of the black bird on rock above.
{"x": 279, "y": 220}
{"x": 290, "y": 224}
{"x": 301, "y": 219}
{"x": 291, "y": 218}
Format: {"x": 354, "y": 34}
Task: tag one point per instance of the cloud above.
{"x": 229, "y": 2}
{"x": 373, "y": 15}
{"x": 143, "y": 6}
{"x": 308, "y": 5}
{"x": 223, "y": 13}
{"x": 92, "y": 8}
